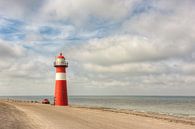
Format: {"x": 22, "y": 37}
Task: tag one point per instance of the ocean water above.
{"x": 172, "y": 105}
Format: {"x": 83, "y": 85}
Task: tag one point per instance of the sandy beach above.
{"x": 21, "y": 115}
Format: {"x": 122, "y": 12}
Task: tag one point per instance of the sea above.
{"x": 172, "y": 105}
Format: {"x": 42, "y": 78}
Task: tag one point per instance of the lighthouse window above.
{"x": 60, "y": 61}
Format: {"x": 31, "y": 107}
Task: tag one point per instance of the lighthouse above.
{"x": 61, "y": 97}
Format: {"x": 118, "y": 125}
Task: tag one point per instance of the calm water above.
{"x": 174, "y": 105}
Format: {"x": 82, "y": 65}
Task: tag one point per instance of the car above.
{"x": 45, "y": 101}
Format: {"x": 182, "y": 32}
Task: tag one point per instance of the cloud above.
{"x": 24, "y": 72}
{"x": 164, "y": 21}
{"x": 152, "y": 50}
{"x": 80, "y": 11}
{"x": 127, "y": 48}
{"x": 22, "y": 9}
{"x": 113, "y": 47}
{"x": 131, "y": 69}
{"x": 8, "y": 50}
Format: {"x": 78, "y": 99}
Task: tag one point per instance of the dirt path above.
{"x": 50, "y": 117}
{"x": 12, "y": 118}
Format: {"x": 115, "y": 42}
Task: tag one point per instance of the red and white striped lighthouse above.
{"x": 61, "y": 97}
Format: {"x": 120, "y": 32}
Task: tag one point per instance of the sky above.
{"x": 114, "y": 47}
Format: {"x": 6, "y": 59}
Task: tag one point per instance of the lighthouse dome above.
{"x": 60, "y": 56}
{"x": 60, "y": 61}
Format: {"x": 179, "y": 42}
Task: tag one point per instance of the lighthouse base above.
{"x": 61, "y": 97}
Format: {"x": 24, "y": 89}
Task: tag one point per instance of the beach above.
{"x": 13, "y": 118}
{"x": 23, "y": 115}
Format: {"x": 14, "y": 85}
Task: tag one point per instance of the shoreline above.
{"x": 179, "y": 106}
{"x": 36, "y": 115}
{"x": 156, "y": 115}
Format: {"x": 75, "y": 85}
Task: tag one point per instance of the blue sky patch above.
{"x": 11, "y": 29}
{"x": 46, "y": 30}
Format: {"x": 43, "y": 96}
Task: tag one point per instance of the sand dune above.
{"x": 41, "y": 116}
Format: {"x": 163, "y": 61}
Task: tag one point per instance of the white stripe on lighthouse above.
{"x": 60, "y": 76}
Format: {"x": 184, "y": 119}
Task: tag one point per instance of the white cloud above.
{"x": 123, "y": 49}
{"x": 166, "y": 22}
{"x": 20, "y": 8}
{"x": 127, "y": 69}
{"x": 79, "y": 11}
{"x": 145, "y": 52}
{"x": 152, "y": 55}
{"x": 9, "y": 50}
